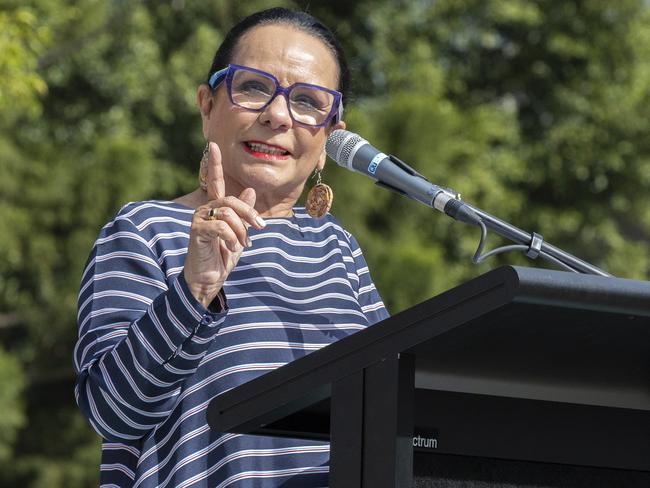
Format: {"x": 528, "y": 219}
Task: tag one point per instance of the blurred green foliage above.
{"x": 535, "y": 110}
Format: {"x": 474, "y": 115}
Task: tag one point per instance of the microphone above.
{"x": 353, "y": 152}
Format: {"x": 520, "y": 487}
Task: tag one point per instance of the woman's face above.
{"x": 244, "y": 136}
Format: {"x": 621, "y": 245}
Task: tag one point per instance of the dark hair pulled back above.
{"x": 299, "y": 20}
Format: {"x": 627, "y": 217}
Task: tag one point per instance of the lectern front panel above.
{"x": 530, "y": 430}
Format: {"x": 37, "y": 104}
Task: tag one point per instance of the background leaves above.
{"x": 536, "y": 111}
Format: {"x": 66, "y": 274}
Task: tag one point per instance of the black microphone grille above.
{"x": 340, "y": 144}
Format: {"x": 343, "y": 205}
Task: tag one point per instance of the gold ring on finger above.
{"x": 213, "y": 214}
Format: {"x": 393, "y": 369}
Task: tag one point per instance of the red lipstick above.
{"x": 264, "y": 150}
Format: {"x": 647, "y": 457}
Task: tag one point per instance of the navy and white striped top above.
{"x": 150, "y": 358}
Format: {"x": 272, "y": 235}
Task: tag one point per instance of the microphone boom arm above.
{"x": 533, "y": 244}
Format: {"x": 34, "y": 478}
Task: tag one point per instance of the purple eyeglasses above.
{"x": 253, "y": 89}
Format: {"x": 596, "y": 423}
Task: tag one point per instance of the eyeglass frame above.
{"x": 227, "y": 73}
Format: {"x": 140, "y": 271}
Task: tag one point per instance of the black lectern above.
{"x": 516, "y": 369}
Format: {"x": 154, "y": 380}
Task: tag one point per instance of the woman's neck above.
{"x": 266, "y": 209}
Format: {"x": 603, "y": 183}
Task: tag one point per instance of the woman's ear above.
{"x": 339, "y": 125}
{"x": 323, "y": 157}
{"x": 321, "y": 161}
{"x": 204, "y": 103}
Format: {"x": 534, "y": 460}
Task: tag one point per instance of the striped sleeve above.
{"x": 141, "y": 335}
{"x": 369, "y": 299}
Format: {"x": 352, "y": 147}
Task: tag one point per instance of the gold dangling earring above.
{"x": 203, "y": 170}
{"x": 319, "y": 198}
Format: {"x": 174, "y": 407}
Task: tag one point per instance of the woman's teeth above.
{"x": 263, "y": 148}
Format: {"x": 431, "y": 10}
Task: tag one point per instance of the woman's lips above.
{"x": 265, "y": 151}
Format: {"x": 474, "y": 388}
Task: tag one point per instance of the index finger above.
{"x": 216, "y": 185}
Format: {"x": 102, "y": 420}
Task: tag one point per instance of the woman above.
{"x": 183, "y": 300}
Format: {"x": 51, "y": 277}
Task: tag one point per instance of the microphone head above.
{"x": 340, "y": 147}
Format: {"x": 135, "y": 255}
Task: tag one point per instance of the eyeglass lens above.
{"x": 308, "y": 105}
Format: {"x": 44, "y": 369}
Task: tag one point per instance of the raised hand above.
{"x": 218, "y": 234}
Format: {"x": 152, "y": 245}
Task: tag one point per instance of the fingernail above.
{"x": 249, "y": 243}
{"x": 260, "y": 221}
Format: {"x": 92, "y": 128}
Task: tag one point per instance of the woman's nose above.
{"x": 276, "y": 114}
